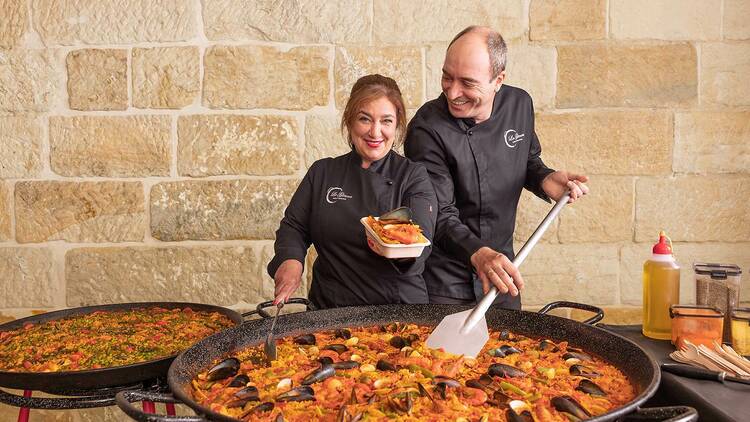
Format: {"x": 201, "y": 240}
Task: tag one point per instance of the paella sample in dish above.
{"x": 387, "y": 372}
{"x": 396, "y": 232}
{"x": 104, "y": 339}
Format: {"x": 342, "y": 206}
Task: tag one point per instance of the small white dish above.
{"x": 393, "y": 250}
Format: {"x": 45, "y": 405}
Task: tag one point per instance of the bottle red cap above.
{"x": 663, "y": 248}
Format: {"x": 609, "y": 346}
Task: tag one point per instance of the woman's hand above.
{"x": 555, "y": 185}
{"x": 288, "y": 278}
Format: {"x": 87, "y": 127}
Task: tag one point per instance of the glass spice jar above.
{"x": 699, "y": 324}
{"x": 718, "y": 285}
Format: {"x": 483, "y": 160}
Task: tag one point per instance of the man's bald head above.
{"x": 493, "y": 41}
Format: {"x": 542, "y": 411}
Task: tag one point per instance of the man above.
{"x": 478, "y": 143}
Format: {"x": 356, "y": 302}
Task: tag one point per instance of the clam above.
{"x": 239, "y": 381}
{"x": 399, "y": 215}
{"x": 224, "y": 369}
{"x": 301, "y": 393}
{"x": 318, "y": 375}
{"x": 567, "y": 404}
{"x": 589, "y": 387}
{"x": 305, "y": 339}
{"x": 584, "y": 371}
{"x": 342, "y": 333}
{"x": 384, "y": 365}
{"x": 503, "y": 370}
{"x": 338, "y": 348}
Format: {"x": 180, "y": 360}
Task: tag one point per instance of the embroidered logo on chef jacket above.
{"x": 335, "y": 194}
{"x": 512, "y": 138}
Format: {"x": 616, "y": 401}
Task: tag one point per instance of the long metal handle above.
{"x": 478, "y": 313}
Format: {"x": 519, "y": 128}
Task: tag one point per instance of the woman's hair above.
{"x": 370, "y": 88}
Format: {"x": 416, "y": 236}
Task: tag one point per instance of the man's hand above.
{"x": 288, "y": 278}
{"x": 555, "y": 184}
{"x": 495, "y": 268}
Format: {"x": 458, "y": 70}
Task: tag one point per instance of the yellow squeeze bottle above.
{"x": 661, "y": 289}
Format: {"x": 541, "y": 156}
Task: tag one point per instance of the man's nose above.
{"x": 452, "y": 90}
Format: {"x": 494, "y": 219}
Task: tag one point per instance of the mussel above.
{"x": 347, "y": 364}
{"x": 263, "y": 407}
{"x": 384, "y": 365}
{"x": 583, "y": 357}
{"x": 546, "y": 345}
{"x": 239, "y": 381}
{"x": 411, "y": 338}
{"x": 342, "y": 333}
{"x": 325, "y": 360}
{"x": 448, "y": 381}
{"x": 499, "y": 399}
{"x": 583, "y": 371}
{"x": 305, "y": 339}
{"x": 503, "y": 370}
{"x": 398, "y": 342}
{"x": 244, "y": 395}
{"x": 569, "y": 405}
{"x": 590, "y": 387}
{"x": 506, "y": 335}
{"x": 338, "y": 348}
{"x": 503, "y": 351}
{"x": 301, "y": 393}
{"x": 512, "y": 416}
{"x": 224, "y": 369}
{"x": 318, "y": 375}
{"x": 399, "y": 215}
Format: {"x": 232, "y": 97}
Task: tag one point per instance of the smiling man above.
{"x": 478, "y": 143}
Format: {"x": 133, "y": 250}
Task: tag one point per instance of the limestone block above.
{"x": 625, "y": 75}
{"x": 231, "y": 144}
{"x": 712, "y": 142}
{"x": 725, "y": 74}
{"x": 586, "y": 273}
{"x": 323, "y": 138}
{"x": 71, "y": 22}
{"x": 20, "y": 138}
{"x": 217, "y": 275}
{"x": 434, "y": 59}
{"x": 635, "y": 254}
{"x": 413, "y": 22}
{"x": 567, "y": 20}
{"x": 532, "y": 68}
{"x": 110, "y": 146}
{"x": 693, "y": 208}
{"x": 219, "y": 210}
{"x": 292, "y": 21}
{"x": 79, "y": 211}
{"x": 665, "y": 20}
{"x": 14, "y": 22}
{"x": 98, "y": 79}
{"x": 165, "y": 77}
{"x": 27, "y": 279}
{"x": 736, "y": 15}
{"x": 605, "y": 215}
{"x": 615, "y": 315}
{"x": 607, "y": 142}
{"x": 6, "y": 201}
{"x": 531, "y": 211}
{"x": 29, "y": 80}
{"x": 403, "y": 64}
{"x": 263, "y": 77}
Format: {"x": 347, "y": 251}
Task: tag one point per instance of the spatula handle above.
{"x": 478, "y": 313}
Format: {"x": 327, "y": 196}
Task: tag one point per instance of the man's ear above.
{"x": 499, "y": 81}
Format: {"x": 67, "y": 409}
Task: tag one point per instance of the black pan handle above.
{"x": 55, "y": 403}
{"x": 563, "y": 304}
{"x": 269, "y": 304}
{"x": 663, "y": 414}
{"x": 124, "y": 400}
{"x": 245, "y": 315}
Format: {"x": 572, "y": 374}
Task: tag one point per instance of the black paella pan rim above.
{"x": 641, "y": 370}
{"x": 102, "y": 377}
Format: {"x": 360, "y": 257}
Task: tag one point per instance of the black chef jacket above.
{"x": 478, "y": 171}
{"x": 326, "y": 210}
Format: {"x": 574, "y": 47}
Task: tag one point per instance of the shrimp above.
{"x": 473, "y": 396}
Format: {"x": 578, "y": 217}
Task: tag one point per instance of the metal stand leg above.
{"x": 23, "y": 414}
{"x": 149, "y": 407}
{"x": 170, "y": 409}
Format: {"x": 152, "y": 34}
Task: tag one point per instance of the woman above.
{"x": 336, "y": 192}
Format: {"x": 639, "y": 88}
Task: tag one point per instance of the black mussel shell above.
{"x": 423, "y": 391}
{"x": 441, "y": 389}
{"x": 503, "y": 351}
{"x": 399, "y": 215}
{"x": 398, "y": 342}
{"x": 347, "y": 364}
{"x": 244, "y": 395}
{"x": 503, "y": 370}
{"x": 305, "y": 339}
{"x": 590, "y": 387}
{"x": 583, "y": 357}
{"x": 583, "y": 371}
{"x": 384, "y": 365}
{"x": 301, "y": 393}
{"x": 318, "y": 375}
{"x": 524, "y": 416}
{"x": 546, "y": 345}
{"x": 224, "y": 369}
{"x": 263, "y": 407}
{"x": 411, "y": 338}
{"x": 338, "y": 348}
{"x": 342, "y": 333}
{"x": 449, "y": 382}
{"x": 567, "y": 404}
{"x": 239, "y": 381}
{"x": 325, "y": 360}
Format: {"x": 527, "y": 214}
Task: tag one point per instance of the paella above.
{"x": 396, "y": 232}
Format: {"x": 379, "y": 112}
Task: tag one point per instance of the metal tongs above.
{"x": 269, "y": 348}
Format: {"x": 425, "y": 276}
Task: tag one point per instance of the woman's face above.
{"x": 374, "y": 130}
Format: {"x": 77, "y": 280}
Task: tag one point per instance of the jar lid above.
{"x": 717, "y": 271}
{"x": 699, "y": 311}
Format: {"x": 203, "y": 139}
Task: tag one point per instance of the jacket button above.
{"x": 471, "y": 133}
{"x": 389, "y": 183}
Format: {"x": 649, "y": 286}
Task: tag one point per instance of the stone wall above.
{"x": 148, "y": 149}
